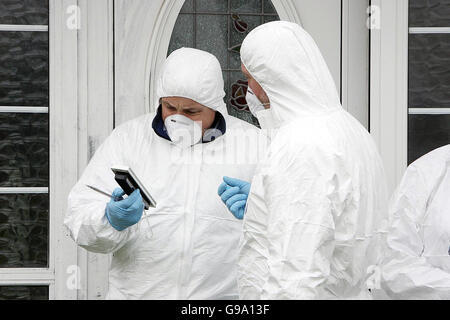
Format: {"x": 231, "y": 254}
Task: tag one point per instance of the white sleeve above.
{"x": 300, "y": 230}
{"x": 85, "y": 216}
{"x": 406, "y": 274}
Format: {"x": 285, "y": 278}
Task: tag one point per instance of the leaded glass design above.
{"x": 24, "y": 230}
{"x": 219, "y": 27}
{"x": 24, "y": 293}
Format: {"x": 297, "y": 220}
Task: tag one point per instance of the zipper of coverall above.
{"x": 193, "y": 178}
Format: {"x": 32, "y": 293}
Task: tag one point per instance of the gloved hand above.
{"x": 123, "y": 213}
{"x": 234, "y": 194}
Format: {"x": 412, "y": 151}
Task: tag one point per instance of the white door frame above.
{"x": 63, "y": 144}
{"x": 389, "y": 86}
{"x": 63, "y": 131}
{"x": 84, "y": 108}
{"x": 81, "y": 117}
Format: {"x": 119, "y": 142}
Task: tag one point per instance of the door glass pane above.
{"x": 24, "y": 158}
{"x": 24, "y": 69}
{"x": 24, "y": 12}
{"x": 429, "y": 13}
{"x": 24, "y": 222}
{"x": 23, "y": 292}
{"x": 247, "y": 6}
{"x": 219, "y": 27}
{"x": 210, "y": 36}
{"x": 429, "y": 70}
{"x": 218, "y": 6}
{"x": 426, "y": 133}
{"x": 429, "y": 78}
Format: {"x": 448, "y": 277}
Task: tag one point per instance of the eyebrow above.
{"x": 192, "y": 109}
{"x": 170, "y": 105}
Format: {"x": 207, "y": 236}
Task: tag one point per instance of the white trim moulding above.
{"x": 429, "y": 111}
{"x": 22, "y": 27}
{"x": 14, "y": 109}
{"x": 19, "y": 190}
{"x": 418, "y": 30}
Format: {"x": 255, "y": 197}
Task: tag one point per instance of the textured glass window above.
{"x": 23, "y": 230}
{"x": 429, "y": 70}
{"x": 23, "y": 293}
{"x": 219, "y": 27}
{"x": 429, "y": 77}
{"x": 24, "y": 12}
{"x": 426, "y": 133}
{"x": 429, "y": 13}
{"x": 24, "y": 141}
{"x": 24, "y": 150}
{"x": 24, "y": 69}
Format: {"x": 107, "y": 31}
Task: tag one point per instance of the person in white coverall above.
{"x": 315, "y": 216}
{"x": 418, "y": 264}
{"x": 186, "y": 247}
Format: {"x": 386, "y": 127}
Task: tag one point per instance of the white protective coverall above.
{"x": 316, "y": 212}
{"x": 186, "y": 247}
{"x": 418, "y": 266}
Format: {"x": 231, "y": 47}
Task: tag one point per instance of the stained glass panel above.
{"x": 237, "y": 35}
{"x": 217, "y": 6}
{"x": 247, "y": 6}
{"x": 219, "y": 27}
{"x": 210, "y": 36}
{"x": 268, "y": 7}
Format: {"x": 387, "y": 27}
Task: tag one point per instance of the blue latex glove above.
{"x": 123, "y": 213}
{"x": 234, "y": 194}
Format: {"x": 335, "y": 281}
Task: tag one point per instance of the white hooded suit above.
{"x": 316, "y": 217}
{"x": 186, "y": 247}
{"x": 418, "y": 263}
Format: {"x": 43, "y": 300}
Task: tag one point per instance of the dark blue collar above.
{"x": 160, "y": 129}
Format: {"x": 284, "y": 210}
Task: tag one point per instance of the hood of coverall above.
{"x": 193, "y": 74}
{"x": 286, "y": 62}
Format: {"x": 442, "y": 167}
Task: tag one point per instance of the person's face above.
{"x": 256, "y": 88}
{"x": 189, "y": 108}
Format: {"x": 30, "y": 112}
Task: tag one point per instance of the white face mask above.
{"x": 182, "y": 130}
{"x": 253, "y": 102}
